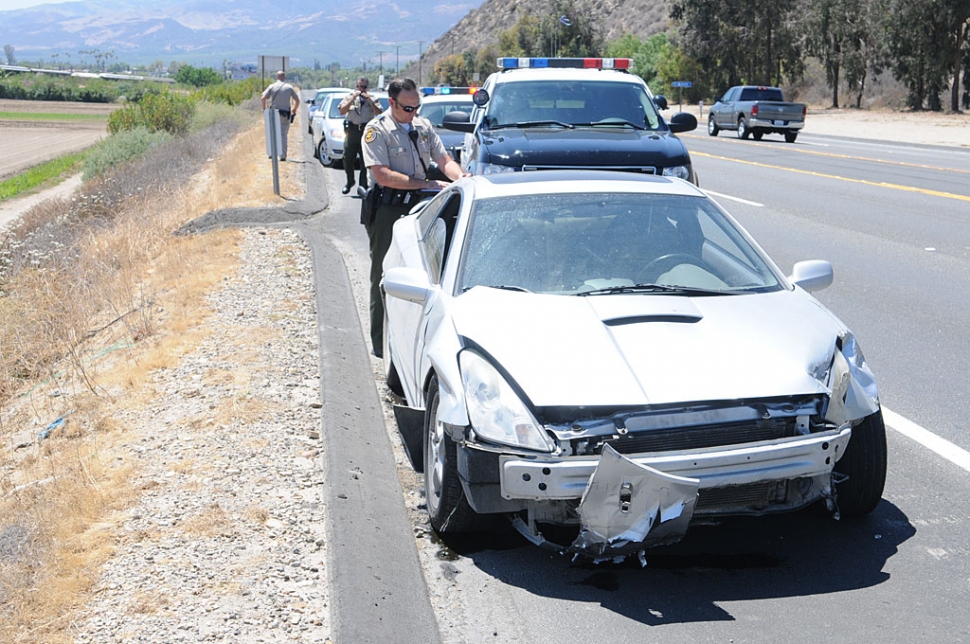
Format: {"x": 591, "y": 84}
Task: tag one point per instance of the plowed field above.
{"x": 25, "y": 143}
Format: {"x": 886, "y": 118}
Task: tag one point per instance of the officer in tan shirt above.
{"x": 359, "y": 107}
{"x": 398, "y": 148}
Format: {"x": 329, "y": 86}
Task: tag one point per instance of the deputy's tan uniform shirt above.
{"x": 386, "y": 142}
{"x": 360, "y": 111}
{"x": 279, "y": 94}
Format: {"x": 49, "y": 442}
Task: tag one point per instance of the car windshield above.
{"x": 435, "y": 111}
{"x": 602, "y": 244}
{"x": 591, "y": 103}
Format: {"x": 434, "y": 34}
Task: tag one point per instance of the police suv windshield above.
{"x": 576, "y": 103}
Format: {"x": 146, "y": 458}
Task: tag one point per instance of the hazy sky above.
{"x": 22, "y": 4}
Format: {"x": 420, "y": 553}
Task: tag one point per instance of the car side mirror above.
{"x": 682, "y": 122}
{"x": 458, "y": 121}
{"x": 717, "y": 98}
{"x": 409, "y": 284}
{"x": 812, "y": 275}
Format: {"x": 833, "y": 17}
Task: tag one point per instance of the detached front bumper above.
{"x": 557, "y": 479}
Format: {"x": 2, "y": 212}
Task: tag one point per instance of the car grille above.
{"x": 681, "y": 438}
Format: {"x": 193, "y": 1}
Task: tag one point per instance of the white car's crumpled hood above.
{"x": 651, "y": 349}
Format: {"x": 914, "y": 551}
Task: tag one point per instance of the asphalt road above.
{"x": 893, "y": 221}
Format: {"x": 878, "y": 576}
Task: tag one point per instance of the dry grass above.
{"x": 90, "y": 311}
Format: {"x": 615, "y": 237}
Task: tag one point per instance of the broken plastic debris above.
{"x": 627, "y": 503}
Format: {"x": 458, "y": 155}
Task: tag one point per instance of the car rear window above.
{"x": 761, "y": 94}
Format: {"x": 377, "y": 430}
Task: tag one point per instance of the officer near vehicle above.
{"x": 359, "y": 107}
{"x": 398, "y": 148}
{"x": 283, "y": 97}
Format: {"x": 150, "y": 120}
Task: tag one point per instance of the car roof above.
{"x": 563, "y": 74}
{"x": 446, "y": 98}
{"x": 547, "y": 182}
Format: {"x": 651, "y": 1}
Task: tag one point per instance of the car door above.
{"x": 420, "y": 242}
{"x": 723, "y": 115}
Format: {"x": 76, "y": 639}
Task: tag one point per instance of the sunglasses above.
{"x": 408, "y": 108}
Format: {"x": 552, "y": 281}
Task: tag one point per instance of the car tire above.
{"x": 757, "y": 134}
{"x": 712, "y": 128}
{"x": 447, "y": 506}
{"x": 864, "y": 466}
{"x": 323, "y": 155}
{"x": 391, "y": 377}
{"x": 790, "y": 137}
{"x": 743, "y": 131}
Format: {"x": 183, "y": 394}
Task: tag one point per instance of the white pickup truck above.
{"x": 755, "y": 111}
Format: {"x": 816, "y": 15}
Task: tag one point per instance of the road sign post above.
{"x": 680, "y": 85}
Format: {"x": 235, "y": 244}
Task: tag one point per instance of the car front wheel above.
{"x": 447, "y": 506}
{"x": 712, "y": 128}
{"x": 864, "y": 466}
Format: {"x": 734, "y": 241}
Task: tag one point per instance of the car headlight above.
{"x": 494, "y": 168}
{"x": 679, "y": 171}
{"x": 496, "y": 413}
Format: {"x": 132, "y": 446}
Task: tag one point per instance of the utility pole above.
{"x": 381, "y": 53}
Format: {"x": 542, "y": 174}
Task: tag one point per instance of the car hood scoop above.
{"x": 639, "y": 349}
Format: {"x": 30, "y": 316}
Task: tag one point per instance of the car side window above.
{"x": 437, "y": 225}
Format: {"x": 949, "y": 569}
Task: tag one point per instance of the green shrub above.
{"x": 207, "y": 114}
{"x": 120, "y": 148}
{"x": 44, "y": 87}
{"x": 164, "y": 112}
{"x": 197, "y": 76}
{"x": 231, "y": 93}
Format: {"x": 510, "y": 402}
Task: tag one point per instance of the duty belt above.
{"x": 357, "y": 126}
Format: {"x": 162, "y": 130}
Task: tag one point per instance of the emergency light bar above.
{"x": 577, "y": 63}
{"x": 436, "y": 91}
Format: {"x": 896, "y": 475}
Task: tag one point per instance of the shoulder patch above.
{"x": 370, "y": 134}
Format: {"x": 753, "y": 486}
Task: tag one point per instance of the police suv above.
{"x": 546, "y": 113}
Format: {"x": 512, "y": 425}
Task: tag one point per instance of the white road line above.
{"x": 928, "y": 439}
{"x": 738, "y": 199}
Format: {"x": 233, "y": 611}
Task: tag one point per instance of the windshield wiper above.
{"x": 612, "y": 123}
{"x": 504, "y": 287}
{"x": 523, "y": 124}
{"x": 655, "y": 288}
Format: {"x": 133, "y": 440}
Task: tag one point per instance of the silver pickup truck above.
{"x": 756, "y": 111}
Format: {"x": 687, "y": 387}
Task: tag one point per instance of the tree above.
{"x": 757, "y": 42}
{"x": 8, "y": 52}
{"x": 522, "y": 39}
{"x": 197, "y": 77}
{"x": 645, "y": 54}
{"x": 960, "y": 24}
{"x": 569, "y": 31}
{"x": 920, "y": 41}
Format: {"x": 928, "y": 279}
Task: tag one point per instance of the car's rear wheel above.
{"x": 390, "y": 371}
{"x": 790, "y": 137}
{"x": 757, "y": 134}
{"x": 447, "y": 506}
{"x": 712, "y": 128}
{"x": 323, "y": 155}
{"x": 864, "y": 465}
{"x": 743, "y": 131}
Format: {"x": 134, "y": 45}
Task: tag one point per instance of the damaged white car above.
{"x": 610, "y": 352}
